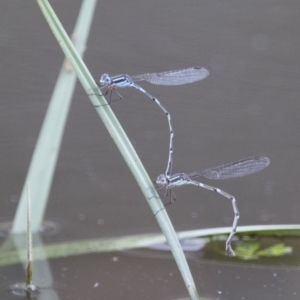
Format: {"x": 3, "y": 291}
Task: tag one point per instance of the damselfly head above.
{"x": 161, "y": 180}
{"x": 105, "y": 79}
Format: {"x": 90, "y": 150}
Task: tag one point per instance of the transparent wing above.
{"x": 176, "y": 77}
{"x": 239, "y": 168}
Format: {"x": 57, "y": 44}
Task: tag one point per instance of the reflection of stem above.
{"x": 28, "y": 272}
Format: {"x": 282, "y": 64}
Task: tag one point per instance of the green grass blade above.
{"x": 43, "y": 162}
{"x": 103, "y": 245}
{"x": 122, "y": 142}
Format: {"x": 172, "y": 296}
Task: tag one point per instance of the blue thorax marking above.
{"x": 121, "y": 81}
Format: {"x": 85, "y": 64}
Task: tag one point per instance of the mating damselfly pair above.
{"x": 232, "y": 170}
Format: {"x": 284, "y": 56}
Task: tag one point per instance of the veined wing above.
{"x": 176, "y": 77}
{"x": 239, "y": 168}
